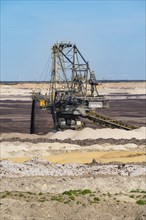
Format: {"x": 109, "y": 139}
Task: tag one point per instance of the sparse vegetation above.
{"x": 27, "y": 196}
{"x": 4, "y": 196}
{"x": 58, "y": 198}
{"x": 31, "y": 193}
{"x": 141, "y": 202}
{"x": 131, "y": 196}
{"x": 78, "y": 202}
{"x": 138, "y": 194}
{"x": 65, "y": 197}
{"x": 72, "y": 194}
{"x": 86, "y": 191}
{"x": 72, "y": 197}
{"x": 7, "y": 193}
{"x": 92, "y": 194}
{"x": 109, "y": 195}
{"x": 138, "y": 191}
{"x": 43, "y": 199}
{"x": 77, "y": 192}
{"x": 77, "y": 196}
{"x": 143, "y": 192}
{"x": 96, "y": 199}
{"x": 20, "y": 195}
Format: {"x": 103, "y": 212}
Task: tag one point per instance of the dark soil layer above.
{"x": 86, "y": 142}
{"x": 132, "y": 111}
{"x": 15, "y": 115}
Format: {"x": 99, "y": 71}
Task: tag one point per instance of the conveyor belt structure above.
{"x": 108, "y": 122}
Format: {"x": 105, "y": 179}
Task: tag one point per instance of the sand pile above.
{"x": 24, "y": 136}
{"x": 106, "y": 133}
{"x": 76, "y": 152}
{"x": 17, "y": 149}
{"x": 86, "y": 133}
{"x": 62, "y": 135}
{"x": 101, "y": 157}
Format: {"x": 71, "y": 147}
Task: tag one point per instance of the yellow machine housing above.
{"x": 43, "y": 103}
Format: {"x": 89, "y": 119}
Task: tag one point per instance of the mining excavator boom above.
{"x": 73, "y": 93}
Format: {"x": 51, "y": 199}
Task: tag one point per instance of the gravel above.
{"x": 41, "y": 167}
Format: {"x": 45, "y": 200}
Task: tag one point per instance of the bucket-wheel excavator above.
{"x": 73, "y": 93}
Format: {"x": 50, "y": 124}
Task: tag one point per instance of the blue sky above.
{"x": 110, "y": 35}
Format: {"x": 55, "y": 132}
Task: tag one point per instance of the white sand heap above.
{"x": 86, "y": 133}
{"x": 105, "y": 133}
{"x": 27, "y": 150}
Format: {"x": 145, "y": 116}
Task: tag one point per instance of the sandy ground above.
{"x": 23, "y": 91}
{"x": 38, "y": 171}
